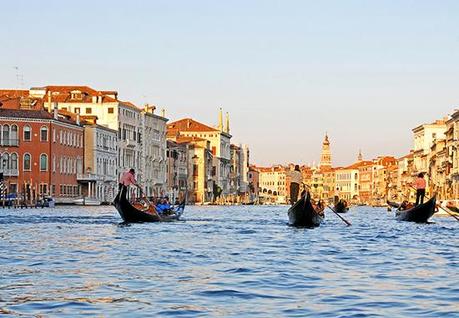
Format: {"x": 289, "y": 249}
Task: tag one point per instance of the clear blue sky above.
{"x": 287, "y": 71}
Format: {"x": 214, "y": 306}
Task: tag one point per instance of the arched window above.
{"x": 27, "y": 162}
{"x": 6, "y": 135}
{"x": 44, "y": 133}
{"x": 43, "y": 162}
{"x": 27, "y": 133}
{"x": 14, "y": 161}
{"x": 5, "y": 161}
{"x": 14, "y": 135}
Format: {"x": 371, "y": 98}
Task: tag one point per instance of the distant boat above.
{"x": 303, "y": 213}
{"x": 341, "y": 206}
{"x": 420, "y": 213}
{"x": 131, "y": 214}
{"x": 87, "y": 201}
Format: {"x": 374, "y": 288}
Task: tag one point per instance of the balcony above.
{"x": 89, "y": 177}
{"x": 10, "y": 172}
{"x": 9, "y": 142}
{"x": 131, "y": 143}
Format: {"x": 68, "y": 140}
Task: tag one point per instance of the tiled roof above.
{"x": 188, "y": 124}
{"x": 62, "y": 94}
{"x": 12, "y": 93}
{"x": 23, "y": 113}
{"x": 184, "y": 139}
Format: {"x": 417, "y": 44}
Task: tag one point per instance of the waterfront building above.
{"x": 177, "y": 169}
{"x": 365, "y": 181}
{"x": 244, "y": 168}
{"x": 347, "y": 182}
{"x": 235, "y": 173}
{"x": 99, "y": 178}
{"x": 405, "y": 172}
{"x": 439, "y": 169}
{"x": 219, "y": 139}
{"x": 329, "y": 181}
{"x": 273, "y": 184}
{"x": 153, "y": 152}
{"x": 452, "y": 145}
{"x": 381, "y": 178}
{"x": 41, "y": 152}
{"x": 254, "y": 184}
{"x": 424, "y": 137}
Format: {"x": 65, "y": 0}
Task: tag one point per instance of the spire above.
{"x": 325, "y": 157}
{"x": 220, "y": 120}
{"x": 227, "y": 128}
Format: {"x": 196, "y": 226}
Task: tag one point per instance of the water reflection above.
{"x": 225, "y": 261}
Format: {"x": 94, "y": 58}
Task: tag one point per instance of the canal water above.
{"x": 238, "y": 261}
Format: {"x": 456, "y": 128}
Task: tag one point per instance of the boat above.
{"x": 303, "y": 213}
{"x": 46, "y": 202}
{"x": 420, "y": 213}
{"x": 341, "y": 207}
{"x": 87, "y": 201}
{"x": 134, "y": 214}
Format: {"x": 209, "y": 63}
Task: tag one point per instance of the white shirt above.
{"x": 296, "y": 177}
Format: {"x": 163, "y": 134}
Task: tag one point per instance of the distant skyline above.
{"x": 287, "y": 72}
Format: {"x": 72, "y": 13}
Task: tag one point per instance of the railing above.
{"x": 10, "y": 172}
{"x": 9, "y": 142}
{"x": 88, "y": 177}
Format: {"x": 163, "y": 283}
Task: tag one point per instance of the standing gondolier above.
{"x": 295, "y": 180}
{"x": 420, "y": 186}
{"x": 127, "y": 179}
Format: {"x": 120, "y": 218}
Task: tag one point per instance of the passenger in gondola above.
{"x": 295, "y": 180}
{"x": 420, "y": 186}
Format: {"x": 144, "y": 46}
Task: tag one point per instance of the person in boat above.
{"x": 127, "y": 179}
{"x": 405, "y": 205}
{"x": 420, "y": 186}
{"x": 163, "y": 206}
{"x": 295, "y": 180}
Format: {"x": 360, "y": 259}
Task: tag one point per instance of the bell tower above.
{"x": 325, "y": 157}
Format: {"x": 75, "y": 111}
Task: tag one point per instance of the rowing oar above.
{"x": 344, "y": 220}
{"x": 448, "y": 212}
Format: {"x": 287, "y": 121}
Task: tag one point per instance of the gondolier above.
{"x": 420, "y": 186}
{"x": 127, "y": 179}
{"x": 295, "y": 180}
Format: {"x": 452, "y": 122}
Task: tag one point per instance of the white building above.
{"x": 100, "y": 163}
{"x": 154, "y": 146}
{"x": 424, "y": 137}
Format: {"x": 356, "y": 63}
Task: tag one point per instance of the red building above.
{"x": 41, "y": 153}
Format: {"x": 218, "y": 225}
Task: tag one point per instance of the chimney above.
{"x": 78, "y": 119}
{"x": 94, "y": 99}
{"x": 163, "y": 112}
{"x": 49, "y": 101}
{"x": 56, "y": 113}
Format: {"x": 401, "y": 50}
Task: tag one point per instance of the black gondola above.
{"x": 420, "y": 213}
{"x": 130, "y": 214}
{"x": 303, "y": 213}
{"x": 341, "y": 207}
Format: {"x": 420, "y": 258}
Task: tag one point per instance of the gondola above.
{"x": 131, "y": 214}
{"x": 303, "y": 214}
{"x": 341, "y": 207}
{"x": 420, "y": 213}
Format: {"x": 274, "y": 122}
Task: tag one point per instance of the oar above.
{"x": 448, "y": 212}
{"x": 344, "y": 220}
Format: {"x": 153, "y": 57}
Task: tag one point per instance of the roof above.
{"x": 62, "y": 94}
{"x": 408, "y": 156}
{"x": 25, "y": 113}
{"x": 130, "y": 105}
{"x": 13, "y": 93}
{"x": 188, "y": 124}
{"x": 184, "y": 139}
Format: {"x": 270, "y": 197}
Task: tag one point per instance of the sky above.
{"x": 365, "y": 72}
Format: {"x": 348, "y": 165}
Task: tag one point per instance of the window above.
{"x": 27, "y": 133}
{"x": 54, "y": 135}
{"x": 77, "y": 110}
{"x": 6, "y": 135}
{"x": 14, "y": 161}
{"x": 14, "y": 135}
{"x": 88, "y": 110}
{"x": 43, "y": 162}
{"x": 27, "y": 162}
{"x": 111, "y": 110}
{"x": 44, "y": 133}
{"x": 5, "y": 160}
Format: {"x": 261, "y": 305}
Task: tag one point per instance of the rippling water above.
{"x": 239, "y": 261}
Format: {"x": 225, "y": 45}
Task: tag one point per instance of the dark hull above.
{"x": 341, "y": 208}
{"x": 418, "y": 214}
{"x": 130, "y": 214}
{"x": 302, "y": 214}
